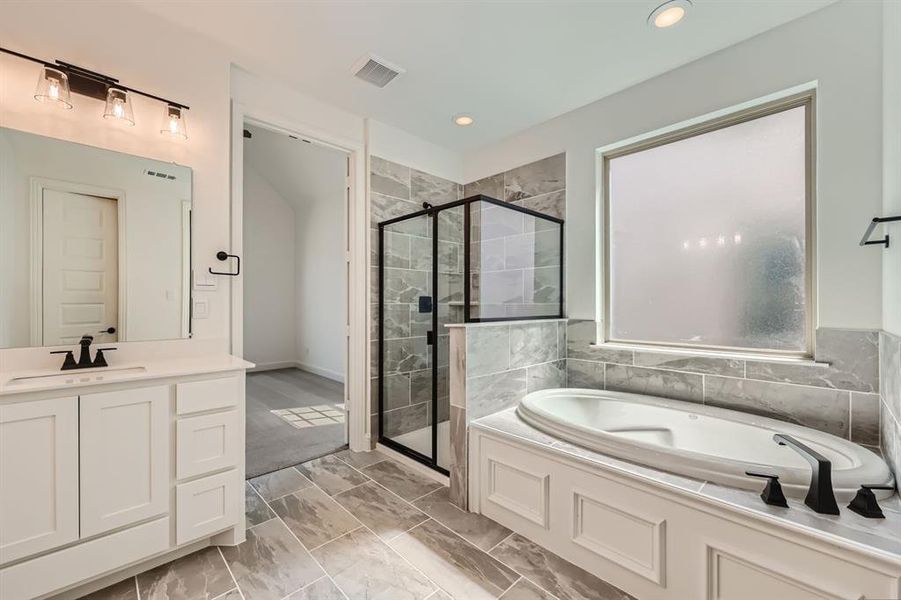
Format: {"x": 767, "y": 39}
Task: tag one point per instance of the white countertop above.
{"x": 42, "y": 380}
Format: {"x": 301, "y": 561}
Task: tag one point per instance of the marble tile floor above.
{"x": 272, "y": 442}
{"x": 354, "y": 526}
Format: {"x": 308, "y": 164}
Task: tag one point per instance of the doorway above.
{"x": 294, "y": 291}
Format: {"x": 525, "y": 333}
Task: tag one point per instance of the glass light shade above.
{"x": 53, "y": 88}
{"x": 118, "y": 106}
{"x": 174, "y": 122}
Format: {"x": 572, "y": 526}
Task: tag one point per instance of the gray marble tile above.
{"x": 890, "y": 371}
{"x": 440, "y": 595}
{"x": 865, "y": 418}
{"x": 407, "y": 354}
{"x": 496, "y": 288}
{"x": 201, "y": 575}
{"x": 383, "y": 208}
{"x": 124, "y": 590}
{"x": 553, "y": 204}
{"x": 380, "y": 510}
{"x": 487, "y": 349}
{"x": 450, "y": 225}
{"x": 421, "y": 386}
{"x": 313, "y": 516}
{"x": 492, "y": 186}
{"x": 396, "y": 391}
{"x": 548, "y": 376}
{"x": 279, "y": 483}
{"x": 364, "y": 567}
{"x": 397, "y": 321}
{"x": 234, "y": 594}
{"x": 853, "y": 356}
{"x": 891, "y": 442}
{"x": 695, "y": 364}
{"x": 421, "y": 252}
{"x": 491, "y": 221}
{"x": 331, "y": 474}
{"x": 526, "y": 590}
{"x": 823, "y": 409}
{"x": 478, "y": 530}
{"x": 457, "y": 566}
{"x": 534, "y": 179}
{"x": 401, "y": 480}
{"x": 487, "y": 255}
{"x": 495, "y": 392}
{"x": 271, "y": 563}
{"x": 654, "y": 382}
{"x": 458, "y": 466}
{"x": 431, "y": 188}
{"x": 561, "y": 339}
{"x": 396, "y": 250}
{"x": 450, "y": 257}
{"x": 541, "y": 285}
{"x": 584, "y": 374}
{"x": 256, "y": 510}
{"x": 532, "y": 249}
{"x": 321, "y": 589}
{"x": 404, "y": 420}
{"x": 403, "y": 286}
{"x": 389, "y": 178}
{"x": 561, "y": 578}
{"x": 532, "y": 343}
{"x": 358, "y": 460}
{"x": 450, "y": 288}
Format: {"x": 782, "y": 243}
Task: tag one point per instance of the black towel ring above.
{"x": 221, "y": 255}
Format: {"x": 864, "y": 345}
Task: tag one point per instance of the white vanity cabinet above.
{"x": 104, "y": 476}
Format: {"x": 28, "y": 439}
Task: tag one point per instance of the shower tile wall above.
{"x": 890, "y": 408}
{"x": 397, "y": 190}
{"x": 841, "y": 398}
{"x": 493, "y": 366}
{"x": 516, "y": 257}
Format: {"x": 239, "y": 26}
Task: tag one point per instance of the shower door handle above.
{"x": 430, "y": 337}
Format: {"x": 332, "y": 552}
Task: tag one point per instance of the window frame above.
{"x": 694, "y": 128}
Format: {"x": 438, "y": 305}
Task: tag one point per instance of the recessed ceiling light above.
{"x": 669, "y": 13}
{"x": 463, "y": 120}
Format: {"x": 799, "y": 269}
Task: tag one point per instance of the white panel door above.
{"x": 38, "y": 476}
{"x": 80, "y": 267}
{"x": 124, "y": 457}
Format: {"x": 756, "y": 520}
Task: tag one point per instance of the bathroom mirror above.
{"x": 92, "y": 242}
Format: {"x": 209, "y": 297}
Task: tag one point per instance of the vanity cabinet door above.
{"x": 124, "y": 457}
{"x": 38, "y": 476}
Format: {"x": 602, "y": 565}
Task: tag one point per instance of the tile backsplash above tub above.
{"x": 841, "y": 397}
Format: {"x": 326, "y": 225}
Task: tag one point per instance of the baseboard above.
{"x": 339, "y": 377}
{"x": 271, "y": 366}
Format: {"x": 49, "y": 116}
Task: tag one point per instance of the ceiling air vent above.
{"x": 375, "y": 70}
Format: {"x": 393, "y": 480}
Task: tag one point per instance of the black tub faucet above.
{"x": 820, "y": 496}
{"x": 84, "y": 356}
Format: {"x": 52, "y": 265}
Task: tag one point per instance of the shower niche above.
{"x": 473, "y": 260}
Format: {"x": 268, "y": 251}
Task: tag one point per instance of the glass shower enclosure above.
{"x": 473, "y": 260}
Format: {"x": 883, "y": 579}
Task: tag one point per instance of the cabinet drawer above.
{"x": 208, "y": 394}
{"x": 207, "y": 505}
{"x": 207, "y": 443}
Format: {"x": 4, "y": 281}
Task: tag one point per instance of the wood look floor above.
{"x": 272, "y": 443}
{"x": 361, "y": 526}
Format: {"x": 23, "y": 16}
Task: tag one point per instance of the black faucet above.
{"x": 84, "y": 356}
{"x": 820, "y": 496}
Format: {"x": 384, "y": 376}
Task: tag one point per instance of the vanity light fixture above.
{"x": 118, "y": 106}
{"x": 53, "y": 88}
{"x": 58, "y": 79}
{"x": 669, "y": 13}
{"x": 174, "y": 122}
{"x": 463, "y": 120}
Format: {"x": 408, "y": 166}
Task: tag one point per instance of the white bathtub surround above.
{"x": 492, "y": 367}
{"x": 890, "y": 407}
{"x": 662, "y": 536}
{"x": 119, "y": 468}
{"x": 837, "y": 393}
{"x": 702, "y": 442}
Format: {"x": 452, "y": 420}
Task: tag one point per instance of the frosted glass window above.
{"x": 708, "y": 243}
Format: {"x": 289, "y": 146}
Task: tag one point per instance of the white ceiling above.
{"x": 510, "y": 64}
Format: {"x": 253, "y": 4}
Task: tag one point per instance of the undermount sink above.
{"x": 74, "y": 376}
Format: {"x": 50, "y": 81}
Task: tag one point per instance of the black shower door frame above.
{"x": 433, "y": 211}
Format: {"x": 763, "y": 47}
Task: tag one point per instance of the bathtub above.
{"x": 703, "y": 442}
